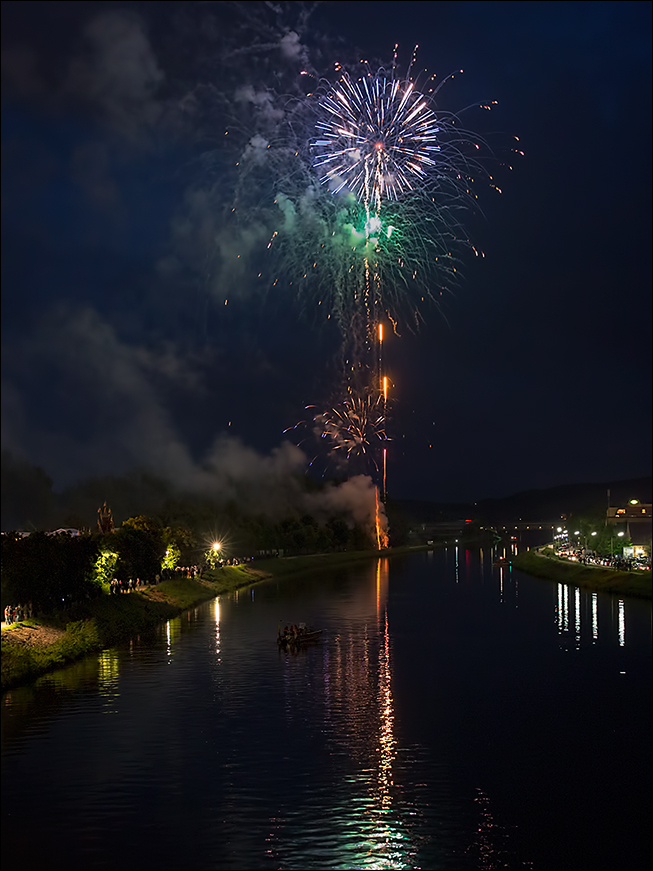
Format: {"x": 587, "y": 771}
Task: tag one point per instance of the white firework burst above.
{"x": 378, "y": 138}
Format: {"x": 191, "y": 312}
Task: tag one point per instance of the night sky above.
{"x": 119, "y": 352}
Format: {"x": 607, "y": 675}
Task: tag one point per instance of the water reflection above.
{"x": 383, "y": 841}
{"x": 108, "y": 674}
{"x": 362, "y": 752}
{"x": 216, "y": 616}
{"x": 577, "y": 608}
{"x": 491, "y": 847}
{"x": 173, "y": 634}
{"x": 569, "y": 612}
{"x": 562, "y": 610}
{"x": 365, "y": 828}
{"x": 386, "y": 719}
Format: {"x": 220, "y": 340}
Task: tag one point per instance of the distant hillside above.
{"x": 549, "y": 504}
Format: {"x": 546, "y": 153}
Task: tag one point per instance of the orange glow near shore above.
{"x": 381, "y": 534}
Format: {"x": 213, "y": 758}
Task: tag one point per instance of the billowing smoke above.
{"x": 110, "y": 378}
{"x": 124, "y": 389}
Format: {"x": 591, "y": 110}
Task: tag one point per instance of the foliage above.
{"x": 595, "y": 535}
{"x": 171, "y": 557}
{"x": 143, "y": 523}
{"x": 174, "y": 538}
{"x": 50, "y": 571}
{"x": 213, "y": 557}
{"x": 399, "y": 526}
{"x": 141, "y": 549}
{"x": 105, "y": 567}
{"x": 53, "y": 571}
{"x": 178, "y": 536}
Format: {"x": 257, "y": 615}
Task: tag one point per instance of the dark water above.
{"x": 455, "y": 716}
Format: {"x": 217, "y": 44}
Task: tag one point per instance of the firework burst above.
{"x": 370, "y": 216}
{"x": 379, "y": 139}
{"x": 355, "y": 427}
{"x": 383, "y": 138}
{"x": 351, "y": 433}
{"x": 359, "y": 188}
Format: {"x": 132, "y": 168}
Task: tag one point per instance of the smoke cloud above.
{"x": 118, "y": 73}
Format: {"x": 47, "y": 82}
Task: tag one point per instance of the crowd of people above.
{"x": 619, "y": 562}
{"x": 118, "y": 586}
{"x": 16, "y": 613}
{"x": 129, "y": 585}
{"x": 182, "y": 572}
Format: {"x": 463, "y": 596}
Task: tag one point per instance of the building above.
{"x": 636, "y": 520}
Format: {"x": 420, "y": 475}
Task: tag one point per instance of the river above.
{"x": 454, "y": 716}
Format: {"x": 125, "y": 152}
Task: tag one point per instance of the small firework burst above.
{"x": 355, "y": 427}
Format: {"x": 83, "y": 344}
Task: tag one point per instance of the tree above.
{"x": 140, "y": 546}
{"x": 176, "y": 539}
{"x": 598, "y": 537}
{"x": 339, "y": 532}
{"x": 49, "y": 570}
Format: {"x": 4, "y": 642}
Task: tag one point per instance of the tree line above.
{"x": 54, "y": 570}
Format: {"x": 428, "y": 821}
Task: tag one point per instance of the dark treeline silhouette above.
{"x": 49, "y": 571}
{"x": 30, "y": 503}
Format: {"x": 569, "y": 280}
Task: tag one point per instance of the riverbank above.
{"x": 35, "y": 646}
{"x": 598, "y": 579}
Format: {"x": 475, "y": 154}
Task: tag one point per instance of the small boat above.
{"x": 502, "y": 561}
{"x": 300, "y": 634}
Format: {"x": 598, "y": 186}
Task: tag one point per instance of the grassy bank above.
{"x": 319, "y": 562}
{"x": 596, "y": 578}
{"x": 34, "y": 647}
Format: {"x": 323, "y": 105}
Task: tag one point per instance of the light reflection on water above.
{"x": 584, "y": 612}
{"x": 108, "y": 679}
{"x": 622, "y": 623}
{"x": 373, "y": 749}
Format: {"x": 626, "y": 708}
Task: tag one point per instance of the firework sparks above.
{"x": 374, "y": 208}
{"x": 356, "y": 190}
{"x": 353, "y": 430}
{"x": 380, "y": 137}
{"x": 355, "y": 427}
